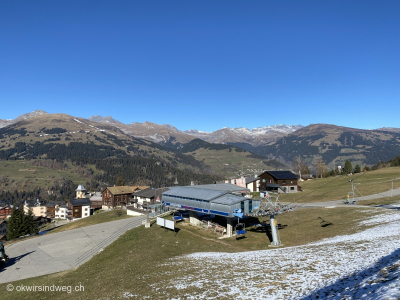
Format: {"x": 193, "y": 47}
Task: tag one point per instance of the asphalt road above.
{"x": 57, "y": 252}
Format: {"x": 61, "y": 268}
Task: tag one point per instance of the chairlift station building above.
{"x": 214, "y": 199}
{"x": 225, "y": 199}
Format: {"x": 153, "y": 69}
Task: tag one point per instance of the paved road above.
{"x": 58, "y": 251}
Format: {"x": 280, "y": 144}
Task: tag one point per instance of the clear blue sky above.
{"x": 203, "y": 64}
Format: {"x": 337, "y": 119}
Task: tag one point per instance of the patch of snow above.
{"x": 364, "y": 265}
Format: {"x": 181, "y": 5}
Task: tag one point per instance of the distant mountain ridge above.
{"x": 330, "y": 143}
{"x": 255, "y": 137}
{"x": 62, "y": 137}
{"x": 169, "y": 135}
{"x": 334, "y": 145}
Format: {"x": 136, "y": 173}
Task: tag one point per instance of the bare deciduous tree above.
{"x": 320, "y": 169}
{"x": 299, "y": 167}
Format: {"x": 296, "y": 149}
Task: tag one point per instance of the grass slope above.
{"x": 132, "y": 264}
{"x": 230, "y": 162}
{"x": 25, "y": 175}
{"x": 335, "y": 188}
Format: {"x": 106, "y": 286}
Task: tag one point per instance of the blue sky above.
{"x": 203, "y": 64}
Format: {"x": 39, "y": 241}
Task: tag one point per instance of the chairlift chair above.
{"x": 178, "y": 217}
{"x": 240, "y": 230}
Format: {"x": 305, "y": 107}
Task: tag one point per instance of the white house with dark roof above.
{"x": 147, "y": 196}
{"x": 61, "y": 211}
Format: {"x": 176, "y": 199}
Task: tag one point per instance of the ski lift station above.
{"x": 225, "y": 199}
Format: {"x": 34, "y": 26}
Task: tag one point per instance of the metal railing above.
{"x": 99, "y": 247}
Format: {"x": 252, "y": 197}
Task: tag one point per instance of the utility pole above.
{"x": 274, "y": 231}
{"x": 391, "y": 192}
{"x": 352, "y": 187}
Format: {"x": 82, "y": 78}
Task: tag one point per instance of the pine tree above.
{"x": 20, "y": 224}
{"x": 120, "y": 181}
{"x": 22, "y": 229}
{"x": 12, "y": 225}
{"x": 31, "y": 224}
{"x": 348, "y": 167}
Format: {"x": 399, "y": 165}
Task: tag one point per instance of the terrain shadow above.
{"x": 348, "y": 286}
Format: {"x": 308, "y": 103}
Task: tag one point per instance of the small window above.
{"x": 86, "y": 214}
{"x": 283, "y": 181}
{"x": 292, "y": 188}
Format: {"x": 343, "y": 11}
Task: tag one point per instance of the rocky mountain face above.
{"x": 170, "y": 136}
{"x": 4, "y": 123}
{"x": 390, "y": 129}
{"x": 255, "y": 137}
{"x": 106, "y": 120}
{"x": 160, "y": 134}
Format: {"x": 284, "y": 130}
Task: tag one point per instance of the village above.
{"x": 229, "y": 199}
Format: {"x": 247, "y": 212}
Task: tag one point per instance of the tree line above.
{"x": 20, "y": 224}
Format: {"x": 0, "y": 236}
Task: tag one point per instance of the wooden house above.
{"x": 3, "y": 229}
{"x": 50, "y": 210}
{"x": 96, "y": 201}
{"x": 279, "y": 182}
{"x": 5, "y": 212}
{"x": 119, "y": 196}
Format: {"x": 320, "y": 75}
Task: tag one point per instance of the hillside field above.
{"x": 26, "y": 175}
{"x": 336, "y": 188}
{"x": 139, "y": 262}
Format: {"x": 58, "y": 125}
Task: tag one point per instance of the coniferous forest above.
{"x": 142, "y": 169}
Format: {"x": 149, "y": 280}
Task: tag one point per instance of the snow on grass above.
{"x": 363, "y": 265}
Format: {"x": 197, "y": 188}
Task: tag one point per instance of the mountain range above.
{"x": 329, "y": 143}
{"x": 62, "y": 137}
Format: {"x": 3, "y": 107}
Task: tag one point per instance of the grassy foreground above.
{"x": 136, "y": 260}
{"x": 336, "y": 188}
